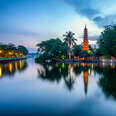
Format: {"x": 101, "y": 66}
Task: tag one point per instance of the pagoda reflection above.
{"x": 85, "y": 77}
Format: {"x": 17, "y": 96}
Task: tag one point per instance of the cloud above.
{"x": 97, "y": 11}
{"x": 107, "y": 20}
{"x": 88, "y": 12}
{"x": 84, "y": 7}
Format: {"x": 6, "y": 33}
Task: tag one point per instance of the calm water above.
{"x": 27, "y": 88}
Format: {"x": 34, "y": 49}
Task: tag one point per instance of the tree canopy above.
{"x": 53, "y": 48}
{"x": 107, "y": 41}
{"x": 70, "y": 41}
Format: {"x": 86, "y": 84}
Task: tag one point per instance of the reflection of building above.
{"x": 85, "y": 76}
{"x": 12, "y": 67}
{"x": 85, "y": 40}
{"x": 0, "y": 71}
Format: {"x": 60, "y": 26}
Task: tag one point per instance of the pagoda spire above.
{"x": 85, "y": 40}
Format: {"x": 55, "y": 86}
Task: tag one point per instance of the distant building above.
{"x": 85, "y": 40}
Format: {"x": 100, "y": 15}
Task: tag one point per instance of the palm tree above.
{"x": 70, "y": 41}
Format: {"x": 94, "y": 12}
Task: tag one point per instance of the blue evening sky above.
{"x": 28, "y": 22}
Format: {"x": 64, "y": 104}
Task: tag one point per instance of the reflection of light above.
{"x": 63, "y": 65}
{"x": 76, "y": 65}
{"x": 103, "y": 62}
{"x": 21, "y": 64}
{"x": 56, "y": 64}
{"x": 16, "y": 65}
{"x": 83, "y": 64}
{"x": 0, "y": 71}
{"x": 10, "y": 67}
{"x": 69, "y": 67}
{"x": 89, "y": 71}
{"x": 111, "y": 60}
{"x": 111, "y": 64}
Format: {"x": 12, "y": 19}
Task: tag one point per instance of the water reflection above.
{"x": 66, "y": 72}
{"x": 108, "y": 80}
{"x": 69, "y": 73}
{"x": 9, "y": 69}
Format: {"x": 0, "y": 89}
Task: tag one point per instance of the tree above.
{"x": 107, "y": 41}
{"x": 98, "y": 52}
{"x": 53, "y": 48}
{"x": 70, "y": 41}
{"x": 23, "y": 50}
{"x": 77, "y": 50}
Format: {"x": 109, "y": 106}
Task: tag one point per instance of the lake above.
{"x": 58, "y": 89}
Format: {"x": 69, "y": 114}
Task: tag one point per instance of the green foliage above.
{"x": 53, "y": 48}
{"x": 107, "y": 41}
{"x": 77, "y": 50}
{"x": 98, "y": 52}
{"x": 23, "y": 49}
{"x": 70, "y": 41}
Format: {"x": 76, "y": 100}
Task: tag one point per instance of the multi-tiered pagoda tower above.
{"x": 85, "y": 40}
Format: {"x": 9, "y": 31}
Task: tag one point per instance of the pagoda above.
{"x": 85, "y": 40}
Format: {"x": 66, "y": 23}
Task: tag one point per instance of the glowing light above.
{"x": 10, "y": 67}
{"x": 63, "y": 65}
{"x": 103, "y": 62}
{"x": 83, "y": 64}
{"x": 10, "y": 53}
{"x": 21, "y": 54}
{"x": 16, "y": 65}
{"x": 21, "y": 64}
{"x": 111, "y": 64}
{"x": 0, "y": 71}
{"x": 111, "y": 60}
{"x": 69, "y": 67}
{"x": 0, "y": 51}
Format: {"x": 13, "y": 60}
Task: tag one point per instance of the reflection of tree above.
{"x": 107, "y": 80}
{"x": 70, "y": 79}
{"x": 77, "y": 69}
{"x": 58, "y": 71}
{"x": 53, "y": 72}
{"x": 11, "y": 68}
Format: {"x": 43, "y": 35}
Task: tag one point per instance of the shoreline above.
{"x": 100, "y": 61}
{"x": 11, "y": 59}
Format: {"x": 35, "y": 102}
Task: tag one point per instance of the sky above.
{"x": 28, "y": 22}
